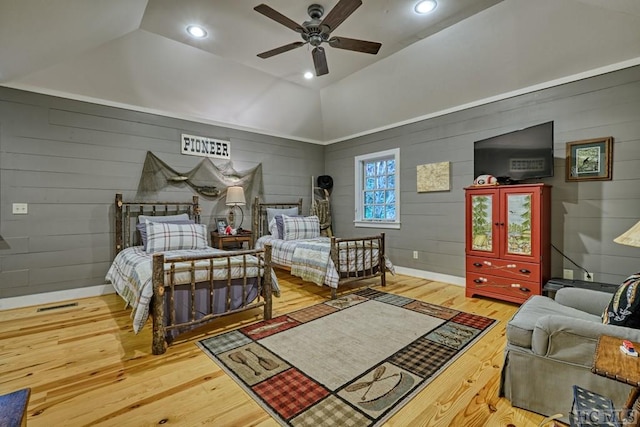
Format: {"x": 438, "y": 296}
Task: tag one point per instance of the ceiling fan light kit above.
{"x": 317, "y": 31}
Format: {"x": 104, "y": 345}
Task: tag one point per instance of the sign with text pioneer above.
{"x": 202, "y": 146}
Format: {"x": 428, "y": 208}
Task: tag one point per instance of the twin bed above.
{"x": 165, "y": 267}
{"x": 298, "y": 247}
{"x": 175, "y": 276}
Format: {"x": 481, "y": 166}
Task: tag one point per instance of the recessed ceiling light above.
{"x": 425, "y": 6}
{"x": 308, "y": 75}
{"x": 196, "y": 31}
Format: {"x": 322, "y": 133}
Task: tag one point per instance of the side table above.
{"x": 222, "y": 241}
{"x": 610, "y": 362}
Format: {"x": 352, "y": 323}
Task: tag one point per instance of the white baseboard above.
{"x": 57, "y": 296}
{"x": 94, "y": 291}
{"x": 429, "y": 275}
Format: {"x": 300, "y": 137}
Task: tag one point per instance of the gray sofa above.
{"x": 550, "y": 347}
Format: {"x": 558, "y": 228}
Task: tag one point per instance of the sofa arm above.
{"x": 587, "y": 300}
{"x": 573, "y": 340}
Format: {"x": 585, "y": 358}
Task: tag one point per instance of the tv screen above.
{"x": 516, "y": 156}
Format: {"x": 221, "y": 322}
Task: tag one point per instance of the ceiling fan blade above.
{"x": 340, "y": 12}
{"x": 353, "y": 44}
{"x": 320, "y": 61}
{"x": 278, "y": 17}
{"x": 281, "y": 49}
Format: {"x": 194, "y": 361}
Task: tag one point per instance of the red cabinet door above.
{"x": 482, "y": 222}
{"x": 519, "y": 230}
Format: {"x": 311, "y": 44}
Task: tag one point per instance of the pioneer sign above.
{"x": 202, "y": 146}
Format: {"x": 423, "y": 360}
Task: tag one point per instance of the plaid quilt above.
{"x": 310, "y": 260}
{"x": 131, "y": 276}
{"x": 283, "y": 251}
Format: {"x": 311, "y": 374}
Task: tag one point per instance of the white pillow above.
{"x": 163, "y": 236}
{"x": 300, "y": 227}
{"x": 272, "y": 212}
{"x": 273, "y": 229}
{"x": 163, "y": 218}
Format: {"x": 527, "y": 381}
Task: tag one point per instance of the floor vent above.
{"x": 56, "y": 307}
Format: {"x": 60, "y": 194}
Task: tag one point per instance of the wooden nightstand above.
{"x": 224, "y": 241}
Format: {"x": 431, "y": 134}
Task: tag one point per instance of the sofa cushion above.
{"x": 624, "y": 307}
{"x": 520, "y": 327}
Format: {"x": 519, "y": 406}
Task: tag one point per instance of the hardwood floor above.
{"x": 85, "y": 366}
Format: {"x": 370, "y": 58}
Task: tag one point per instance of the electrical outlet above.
{"x": 415, "y": 254}
{"x": 20, "y": 208}
{"x": 588, "y": 276}
{"x": 567, "y": 273}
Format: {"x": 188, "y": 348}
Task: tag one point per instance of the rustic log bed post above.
{"x": 159, "y": 345}
{"x": 267, "y": 284}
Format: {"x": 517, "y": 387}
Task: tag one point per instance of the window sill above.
{"x": 375, "y": 224}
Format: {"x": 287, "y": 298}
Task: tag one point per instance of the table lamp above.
{"x": 631, "y": 237}
{"x": 235, "y": 198}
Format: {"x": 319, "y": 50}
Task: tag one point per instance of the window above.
{"x": 377, "y": 189}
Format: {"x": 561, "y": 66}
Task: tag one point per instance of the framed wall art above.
{"x": 221, "y": 224}
{"x": 589, "y": 160}
{"x": 433, "y": 177}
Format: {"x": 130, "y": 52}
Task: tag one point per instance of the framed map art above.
{"x": 433, "y": 177}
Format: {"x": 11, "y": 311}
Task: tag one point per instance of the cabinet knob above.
{"x": 477, "y": 281}
{"x": 477, "y": 264}
{"x": 525, "y": 289}
{"x": 524, "y": 271}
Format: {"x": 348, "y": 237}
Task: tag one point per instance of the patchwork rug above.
{"x": 352, "y": 361}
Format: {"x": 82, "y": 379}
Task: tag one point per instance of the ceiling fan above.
{"x": 317, "y": 31}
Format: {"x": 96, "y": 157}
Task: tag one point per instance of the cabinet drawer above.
{"x": 512, "y": 270}
{"x": 488, "y": 284}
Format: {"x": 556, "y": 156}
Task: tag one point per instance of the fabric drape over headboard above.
{"x": 207, "y": 179}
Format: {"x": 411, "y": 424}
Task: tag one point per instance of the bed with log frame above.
{"x": 182, "y": 288}
{"x": 349, "y": 259}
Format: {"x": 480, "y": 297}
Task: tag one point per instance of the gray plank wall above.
{"x": 587, "y": 216}
{"x": 67, "y": 159}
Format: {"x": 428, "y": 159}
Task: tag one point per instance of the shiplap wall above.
{"x": 587, "y": 216}
{"x": 67, "y": 159}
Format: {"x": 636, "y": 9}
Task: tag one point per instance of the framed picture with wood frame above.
{"x": 589, "y": 159}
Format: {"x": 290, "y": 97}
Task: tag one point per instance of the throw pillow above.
{"x": 296, "y": 228}
{"x": 164, "y": 236}
{"x": 142, "y": 227}
{"x": 624, "y": 307}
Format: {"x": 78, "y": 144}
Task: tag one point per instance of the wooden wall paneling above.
{"x": 67, "y": 159}
{"x": 599, "y": 106}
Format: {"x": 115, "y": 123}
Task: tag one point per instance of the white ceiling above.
{"x": 135, "y": 54}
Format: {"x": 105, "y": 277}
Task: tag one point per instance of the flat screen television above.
{"x": 516, "y": 156}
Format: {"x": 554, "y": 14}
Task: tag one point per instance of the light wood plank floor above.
{"x": 85, "y": 366}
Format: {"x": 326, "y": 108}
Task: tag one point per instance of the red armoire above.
{"x": 508, "y": 247}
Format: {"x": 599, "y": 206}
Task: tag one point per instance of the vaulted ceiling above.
{"x": 136, "y": 54}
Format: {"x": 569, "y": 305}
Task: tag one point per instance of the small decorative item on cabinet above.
{"x": 507, "y": 241}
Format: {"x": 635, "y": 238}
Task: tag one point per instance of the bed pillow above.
{"x": 303, "y": 227}
{"x": 165, "y": 236}
{"x": 272, "y": 212}
{"x": 162, "y": 218}
{"x": 142, "y": 227}
{"x": 273, "y": 228}
{"x": 624, "y": 307}
{"x": 276, "y": 226}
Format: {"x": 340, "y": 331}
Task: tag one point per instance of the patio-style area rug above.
{"x": 352, "y": 361}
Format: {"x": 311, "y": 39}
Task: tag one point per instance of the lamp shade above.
{"x": 235, "y": 196}
{"x": 631, "y": 237}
